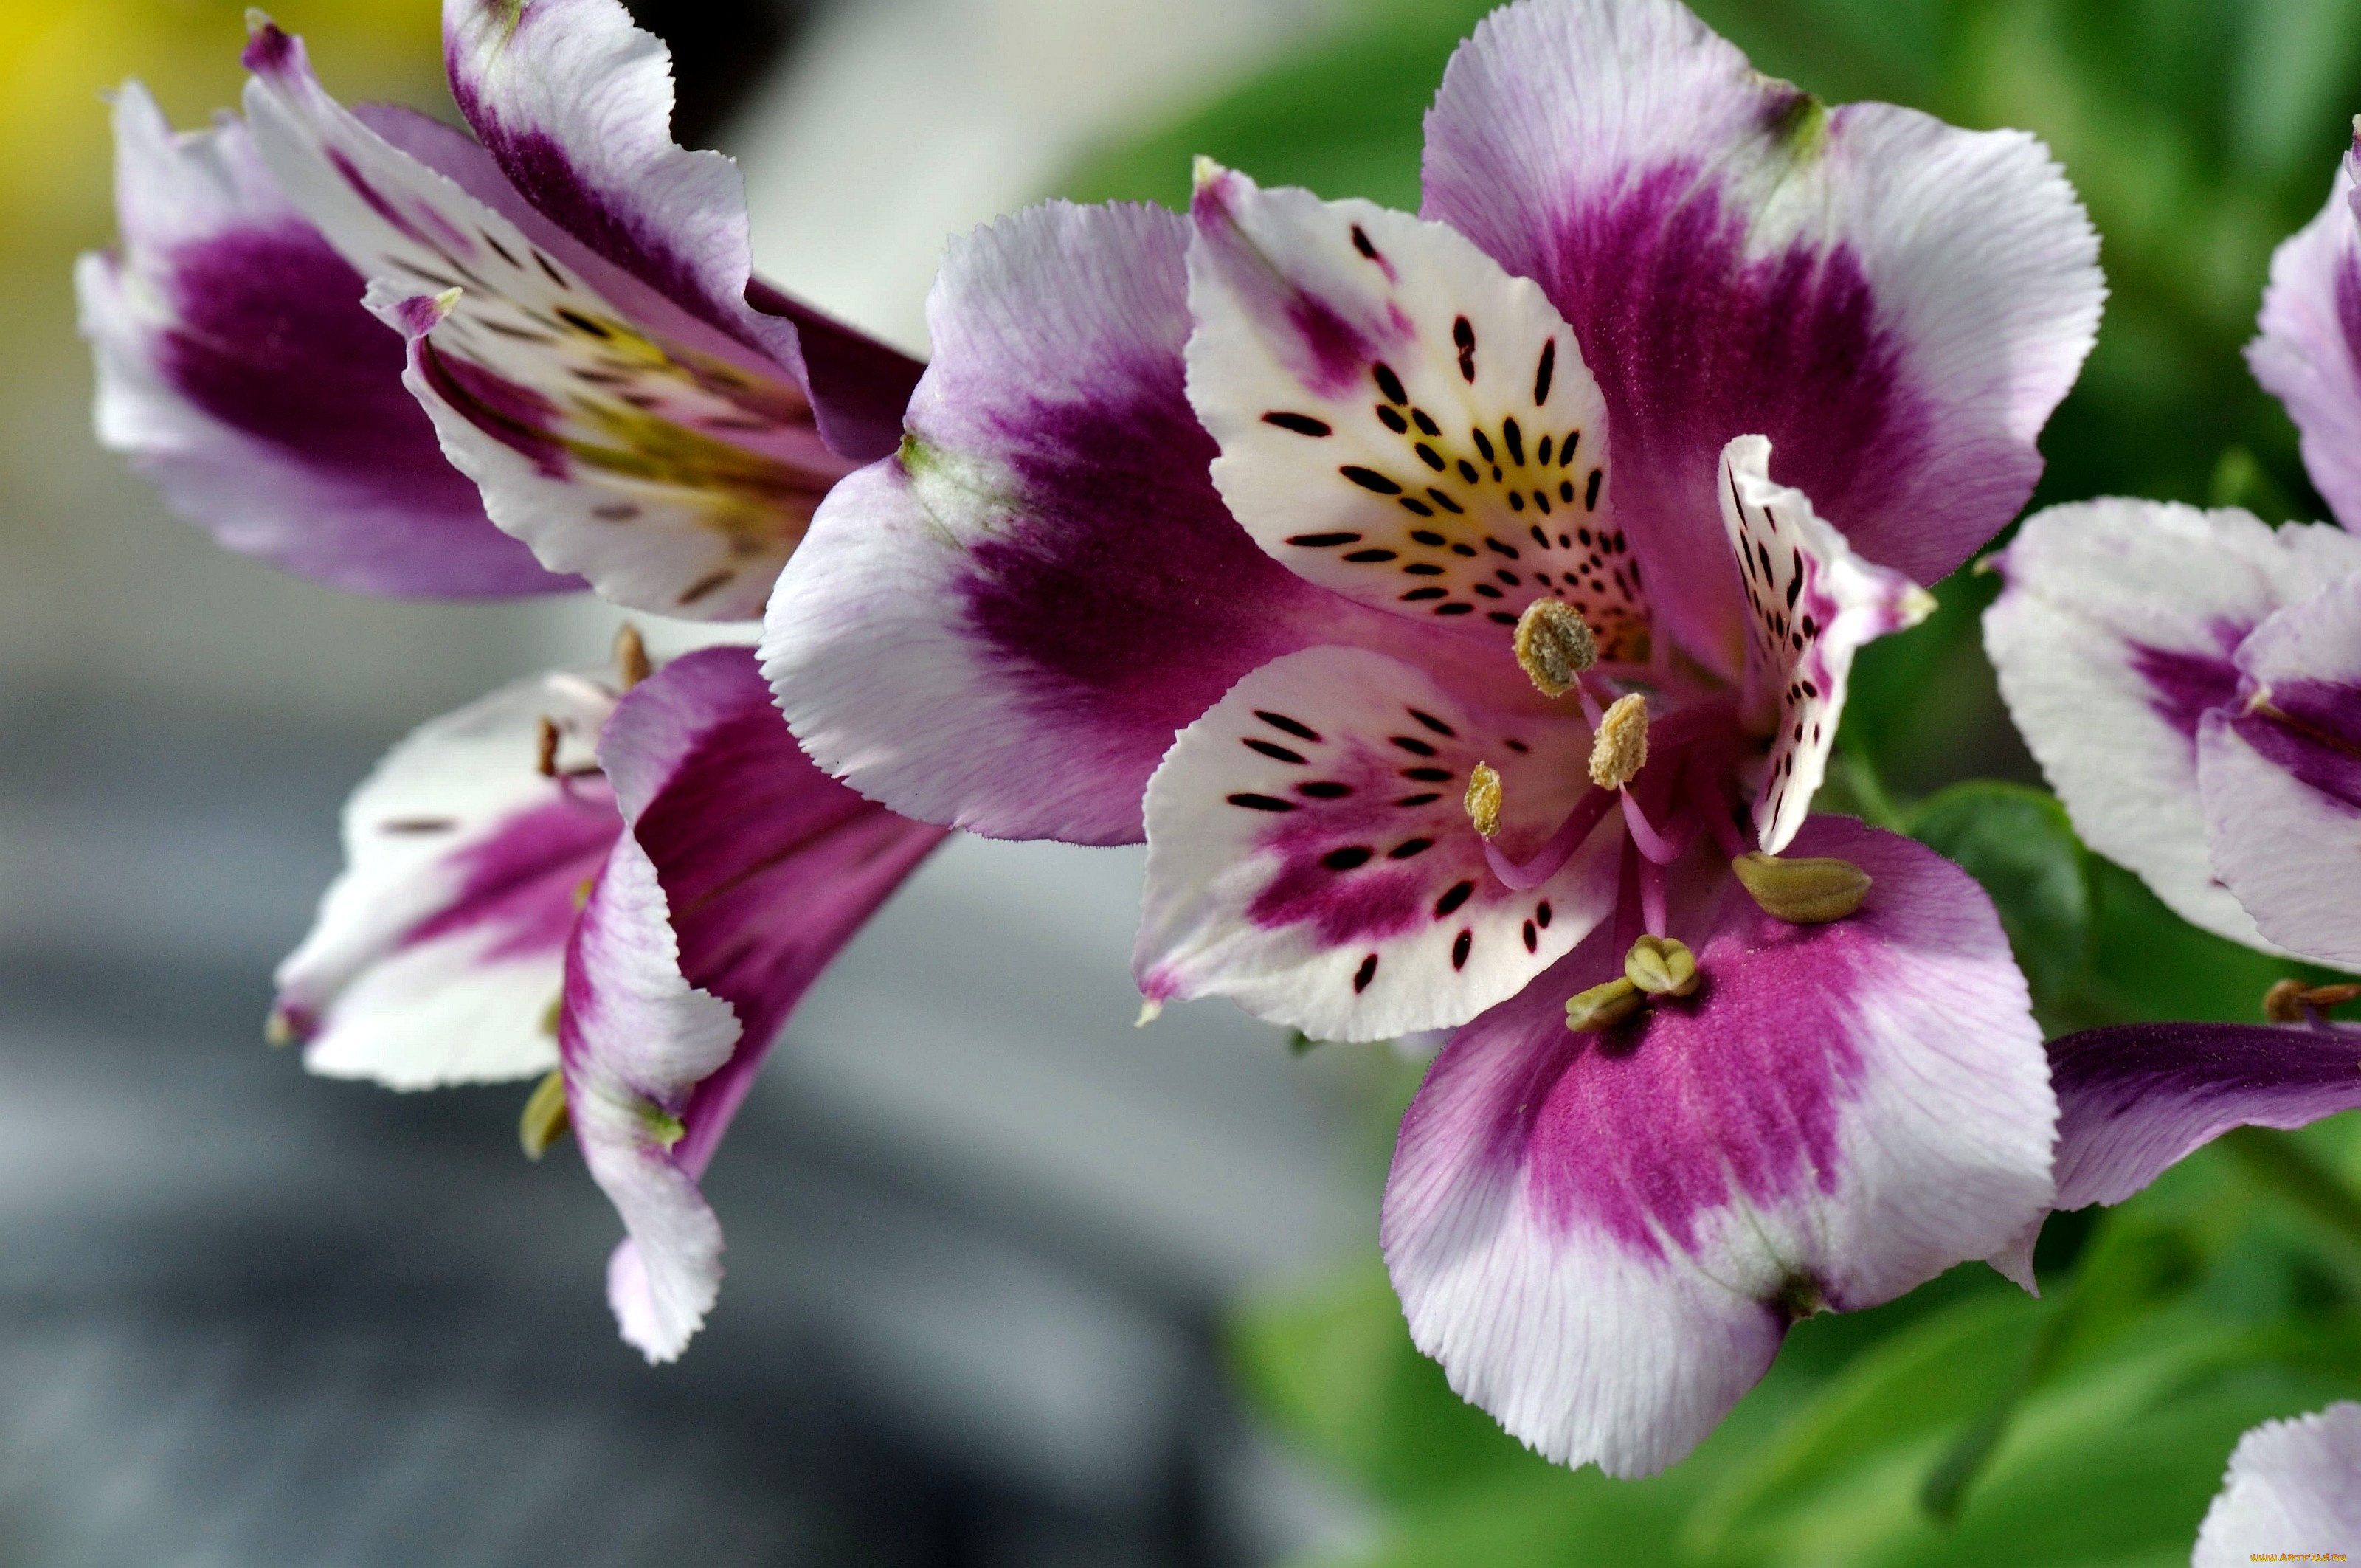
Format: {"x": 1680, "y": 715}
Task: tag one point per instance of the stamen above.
{"x": 1484, "y": 799}
{"x": 1619, "y": 750}
{"x": 1570, "y": 837}
{"x": 1651, "y": 895}
{"x": 1554, "y": 645}
{"x": 1663, "y": 847}
{"x": 632, "y": 665}
{"x": 546, "y": 1117}
{"x": 1662, "y": 966}
{"x": 545, "y": 757}
{"x": 2294, "y": 1001}
{"x": 1602, "y": 1006}
{"x": 1810, "y": 891}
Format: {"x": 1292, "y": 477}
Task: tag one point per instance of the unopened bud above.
{"x": 2292, "y": 1001}
{"x": 1662, "y": 966}
{"x": 632, "y": 665}
{"x": 1484, "y": 799}
{"x": 1619, "y": 750}
{"x": 1807, "y": 891}
{"x": 1602, "y": 1006}
{"x": 1554, "y": 645}
{"x": 546, "y": 1118}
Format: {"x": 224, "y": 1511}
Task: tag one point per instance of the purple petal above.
{"x": 744, "y": 871}
{"x": 619, "y": 435}
{"x": 1309, "y": 853}
{"x": 2281, "y": 774}
{"x": 2293, "y": 1493}
{"x": 2116, "y": 635}
{"x": 238, "y": 370}
{"x": 439, "y": 954}
{"x": 2309, "y": 353}
{"x": 1003, "y": 627}
{"x": 1897, "y": 305}
{"x": 1604, "y": 1237}
{"x": 575, "y": 104}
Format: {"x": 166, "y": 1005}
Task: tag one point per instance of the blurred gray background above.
{"x": 981, "y": 1230}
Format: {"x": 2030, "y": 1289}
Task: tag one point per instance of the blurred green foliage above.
{"x": 1967, "y": 1423}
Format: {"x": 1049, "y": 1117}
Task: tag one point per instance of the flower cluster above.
{"x": 1461, "y": 606}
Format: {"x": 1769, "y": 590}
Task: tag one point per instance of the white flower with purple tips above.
{"x": 1499, "y": 572}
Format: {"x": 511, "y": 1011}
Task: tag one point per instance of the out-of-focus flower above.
{"x": 2293, "y": 1492}
{"x": 2191, "y": 680}
{"x": 1453, "y": 550}
{"x": 632, "y": 878}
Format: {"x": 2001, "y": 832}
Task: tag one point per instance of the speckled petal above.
{"x": 1896, "y": 304}
{"x": 1309, "y": 853}
{"x": 438, "y": 955}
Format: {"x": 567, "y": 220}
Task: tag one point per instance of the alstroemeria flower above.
{"x": 2293, "y": 1492}
{"x": 584, "y": 331}
{"x": 1500, "y": 572}
{"x": 2190, "y": 682}
{"x": 577, "y": 316}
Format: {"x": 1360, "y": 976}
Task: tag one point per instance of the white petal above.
{"x": 2115, "y": 635}
{"x": 2293, "y": 1488}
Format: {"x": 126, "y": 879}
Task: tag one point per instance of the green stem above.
{"x": 1860, "y": 777}
{"x": 2280, "y": 1163}
{"x": 1946, "y": 1484}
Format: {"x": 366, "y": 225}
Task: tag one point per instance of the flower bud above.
{"x": 1662, "y": 966}
{"x": 1808, "y": 891}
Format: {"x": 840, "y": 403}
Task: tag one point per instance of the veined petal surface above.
{"x": 239, "y": 371}
{"x": 2116, "y": 635}
{"x": 1603, "y": 1237}
{"x": 743, "y": 871}
{"x": 2293, "y": 1491}
{"x": 1003, "y": 627}
{"x": 1309, "y": 853}
{"x": 1811, "y": 605}
{"x": 576, "y": 105}
{"x": 616, "y": 434}
{"x": 439, "y": 953}
{"x": 2280, "y": 773}
{"x": 1399, "y": 420}
{"x": 1896, "y": 304}
{"x": 2309, "y": 350}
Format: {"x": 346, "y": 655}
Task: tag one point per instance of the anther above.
{"x": 1602, "y": 1006}
{"x": 2293, "y": 1002}
{"x": 632, "y": 665}
{"x": 545, "y": 748}
{"x": 1619, "y": 750}
{"x": 1662, "y": 966}
{"x": 280, "y": 1029}
{"x": 1807, "y": 891}
{"x": 546, "y": 1118}
{"x": 1484, "y": 799}
{"x": 1554, "y": 646}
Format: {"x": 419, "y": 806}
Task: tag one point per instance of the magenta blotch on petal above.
{"x": 743, "y": 871}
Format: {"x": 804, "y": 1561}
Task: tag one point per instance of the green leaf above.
{"x": 2017, "y": 843}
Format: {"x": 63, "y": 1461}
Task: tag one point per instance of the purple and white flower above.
{"x": 1499, "y": 572}
{"x": 2190, "y": 682}
{"x": 2293, "y": 1491}
{"x": 632, "y": 878}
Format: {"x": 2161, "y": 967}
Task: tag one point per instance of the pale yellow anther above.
{"x": 1619, "y": 750}
{"x": 1662, "y": 966}
{"x": 1484, "y": 799}
{"x": 1603, "y": 1006}
{"x": 1554, "y": 645}
{"x": 632, "y": 665}
{"x": 546, "y": 1118}
{"x": 1808, "y": 891}
{"x": 279, "y": 1029}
